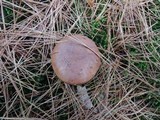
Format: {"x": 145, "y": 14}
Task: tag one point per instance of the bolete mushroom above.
{"x": 75, "y": 60}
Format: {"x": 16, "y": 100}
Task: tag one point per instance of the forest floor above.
{"x": 127, "y": 33}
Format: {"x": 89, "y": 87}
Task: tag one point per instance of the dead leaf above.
{"x": 90, "y": 3}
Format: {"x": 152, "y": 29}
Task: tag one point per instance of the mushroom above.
{"x": 75, "y": 60}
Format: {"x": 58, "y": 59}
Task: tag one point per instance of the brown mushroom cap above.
{"x": 75, "y": 59}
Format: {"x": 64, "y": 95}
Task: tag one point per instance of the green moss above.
{"x": 8, "y": 15}
{"x": 97, "y": 32}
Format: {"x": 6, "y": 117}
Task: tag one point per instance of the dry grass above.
{"x": 127, "y": 84}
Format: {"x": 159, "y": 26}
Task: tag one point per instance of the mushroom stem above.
{"x": 84, "y": 97}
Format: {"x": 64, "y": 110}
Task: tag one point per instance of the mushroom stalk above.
{"x": 84, "y": 97}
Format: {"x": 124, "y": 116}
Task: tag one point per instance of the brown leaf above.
{"x": 90, "y": 3}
